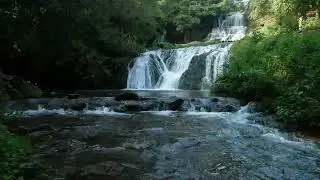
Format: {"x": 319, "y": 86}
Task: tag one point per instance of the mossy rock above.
{"x": 18, "y": 88}
{"x": 13, "y": 87}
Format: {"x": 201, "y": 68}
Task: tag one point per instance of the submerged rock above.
{"x": 136, "y": 106}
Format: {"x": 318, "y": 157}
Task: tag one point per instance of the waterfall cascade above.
{"x": 187, "y": 68}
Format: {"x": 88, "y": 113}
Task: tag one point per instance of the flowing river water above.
{"x": 99, "y": 143}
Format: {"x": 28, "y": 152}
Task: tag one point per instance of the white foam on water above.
{"x": 161, "y": 113}
{"x": 276, "y": 136}
{"x": 232, "y": 28}
{"x": 43, "y": 111}
{"x": 98, "y": 111}
{"x": 102, "y": 111}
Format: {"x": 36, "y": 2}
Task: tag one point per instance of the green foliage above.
{"x": 15, "y": 162}
{"x": 284, "y": 12}
{"x": 282, "y": 65}
{"x": 73, "y": 40}
{"x": 187, "y": 13}
{"x": 298, "y": 108}
{"x": 191, "y": 44}
{"x": 311, "y": 23}
{"x": 251, "y": 85}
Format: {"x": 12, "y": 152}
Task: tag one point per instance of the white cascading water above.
{"x": 162, "y": 69}
{"x": 231, "y": 29}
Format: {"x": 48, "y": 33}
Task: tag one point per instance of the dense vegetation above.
{"x": 277, "y": 65}
{"x": 73, "y": 44}
{"x": 88, "y": 44}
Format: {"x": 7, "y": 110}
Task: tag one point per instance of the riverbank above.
{"x": 281, "y": 70}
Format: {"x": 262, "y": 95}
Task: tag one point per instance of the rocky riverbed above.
{"x": 134, "y": 137}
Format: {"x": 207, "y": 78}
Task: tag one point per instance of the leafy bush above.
{"x": 297, "y": 108}
{"x": 280, "y": 65}
{"x": 250, "y": 85}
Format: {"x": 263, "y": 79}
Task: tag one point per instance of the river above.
{"x": 99, "y": 143}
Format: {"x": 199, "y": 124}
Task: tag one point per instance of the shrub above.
{"x": 281, "y": 66}
{"x": 249, "y": 85}
{"x": 15, "y": 157}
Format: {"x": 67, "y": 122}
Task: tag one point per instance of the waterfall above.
{"x": 187, "y": 68}
{"x": 231, "y": 29}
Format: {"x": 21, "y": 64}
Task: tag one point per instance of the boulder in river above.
{"x": 176, "y": 105}
{"x": 254, "y": 107}
{"x": 192, "y": 78}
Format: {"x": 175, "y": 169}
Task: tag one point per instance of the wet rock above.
{"x": 78, "y": 107}
{"x": 132, "y": 107}
{"x": 254, "y": 107}
{"x": 135, "y": 106}
{"x": 215, "y": 104}
{"x": 192, "y": 78}
{"x": 57, "y": 103}
{"x": 97, "y": 171}
{"x": 127, "y": 96}
{"x": 221, "y": 168}
{"x": 42, "y": 127}
{"x": 226, "y": 105}
{"x": 73, "y": 96}
{"x": 176, "y": 105}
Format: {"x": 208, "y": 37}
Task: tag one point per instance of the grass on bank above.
{"x": 279, "y": 68}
